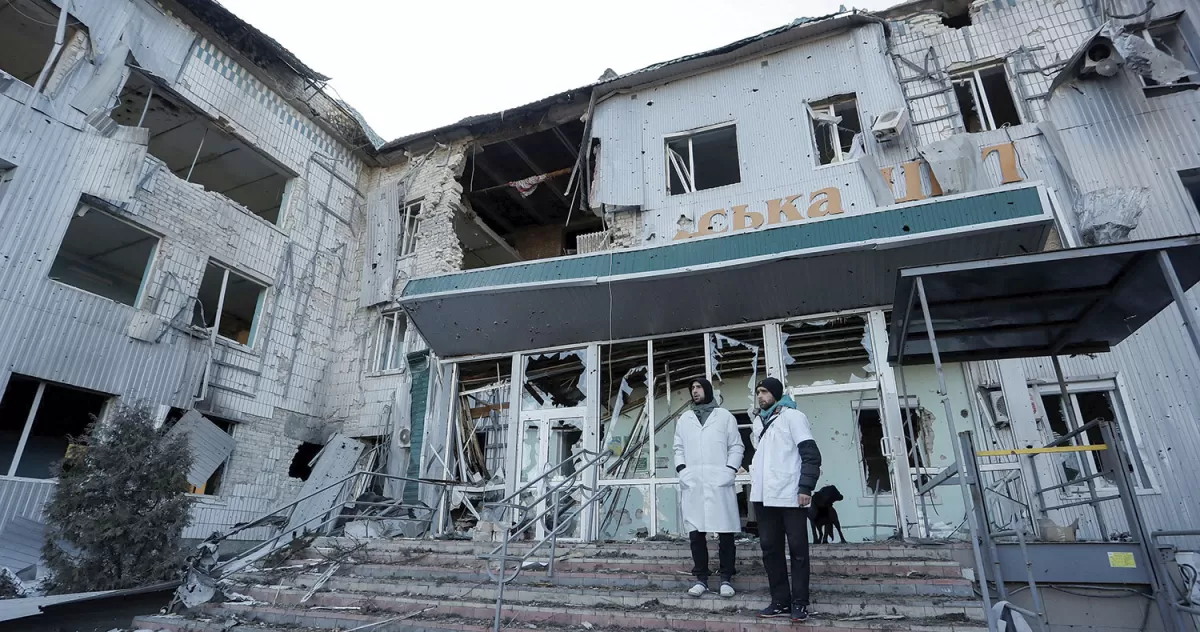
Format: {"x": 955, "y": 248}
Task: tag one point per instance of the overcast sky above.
{"x": 410, "y": 65}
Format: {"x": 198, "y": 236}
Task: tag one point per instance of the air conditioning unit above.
{"x": 1101, "y": 60}
{"x": 999, "y": 409}
{"x": 890, "y": 124}
{"x": 404, "y": 438}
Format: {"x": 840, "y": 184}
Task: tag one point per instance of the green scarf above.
{"x": 704, "y": 410}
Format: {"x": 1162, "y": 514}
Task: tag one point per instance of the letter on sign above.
{"x": 706, "y": 222}
{"x": 778, "y": 210}
{"x": 741, "y": 215}
{"x": 826, "y": 202}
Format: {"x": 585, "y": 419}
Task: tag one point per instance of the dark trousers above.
{"x": 727, "y": 552}
{"x": 774, "y": 523}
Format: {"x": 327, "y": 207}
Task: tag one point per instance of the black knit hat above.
{"x": 706, "y": 385}
{"x": 773, "y": 386}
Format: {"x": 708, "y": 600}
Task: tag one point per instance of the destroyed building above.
{"x": 191, "y": 222}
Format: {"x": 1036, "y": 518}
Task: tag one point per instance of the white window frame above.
{"x": 687, "y": 175}
{"x": 31, "y": 417}
{"x": 1191, "y": 55}
{"x": 84, "y": 208}
{"x": 215, "y": 327}
{"x": 1130, "y": 430}
{"x": 410, "y": 224}
{"x": 383, "y": 352}
{"x": 827, "y": 108}
{"x": 975, "y": 80}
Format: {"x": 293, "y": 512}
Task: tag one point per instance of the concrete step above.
{"x": 355, "y": 610}
{"x": 664, "y": 579}
{"x": 654, "y": 550}
{"x": 835, "y": 604}
{"x": 748, "y": 562}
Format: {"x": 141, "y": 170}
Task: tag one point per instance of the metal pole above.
{"x": 968, "y": 499}
{"x": 500, "y": 580}
{"x": 33, "y": 409}
{"x": 1043, "y": 622}
{"x": 197, "y": 156}
{"x": 149, "y": 97}
{"x": 1069, "y": 405}
{"x": 1181, "y": 301}
{"x": 554, "y": 534}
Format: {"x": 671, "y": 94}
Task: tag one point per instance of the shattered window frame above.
{"x": 222, "y": 294}
{"x": 52, "y": 62}
{"x": 388, "y": 355}
{"x": 834, "y": 143}
{"x": 918, "y": 459}
{"x": 1154, "y": 34}
{"x": 681, "y": 169}
{"x": 40, "y": 410}
{"x": 1145, "y": 480}
{"x": 973, "y": 78}
{"x": 410, "y": 225}
{"x": 81, "y": 212}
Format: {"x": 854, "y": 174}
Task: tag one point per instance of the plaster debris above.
{"x": 1107, "y": 216}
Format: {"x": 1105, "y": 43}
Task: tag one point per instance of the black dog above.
{"x": 823, "y": 516}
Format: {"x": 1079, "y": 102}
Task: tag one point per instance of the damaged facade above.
{"x": 193, "y": 224}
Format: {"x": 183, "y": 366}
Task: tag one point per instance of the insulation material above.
{"x": 1143, "y": 58}
{"x": 379, "y": 261}
{"x": 336, "y": 461}
{"x": 100, "y": 93}
{"x": 954, "y": 162}
{"x": 209, "y": 444}
{"x": 1108, "y": 215}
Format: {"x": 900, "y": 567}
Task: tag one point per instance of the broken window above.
{"x": 27, "y": 32}
{"x": 875, "y": 466}
{"x": 625, "y": 409}
{"x": 104, "y": 255}
{"x": 836, "y": 129}
{"x": 484, "y": 389}
{"x": 985, "y": 100}
{"x": 701, "y": 160}
{"x": 826, "y": 352}
{"x": 1168, "y": 38}
{"x": 554, "y": 380}
{"x": 38, "y": 421}
{"x": 236, "y": 298}
{"x": 410, "y": 223}
{"x": 1088, "y": 406}
{"x": 625, "y": 513}
{"x": 1191, "y": 183}
{"x": 199, "y": 150}
{"x": 677, "y": 361}
{"x": 389, "y": 342}
{"x": 302, "y": 462}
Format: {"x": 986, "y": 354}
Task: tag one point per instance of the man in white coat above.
{"x": 782, "y": 478}
{"x": 708, "y": 453}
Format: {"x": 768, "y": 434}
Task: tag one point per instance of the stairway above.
{"x": 435, "y": 586}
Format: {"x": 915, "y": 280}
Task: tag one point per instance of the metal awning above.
{"x": 795, "y": 269}
{"x": 1081, "y": 300}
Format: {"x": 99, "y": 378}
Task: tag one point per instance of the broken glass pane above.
{"x": 826, "y": 352}
{"x": 625, "y": 513}
{"x": 554, "y": 380}
{"x": 739, "y": 363}
{"x": 624, "y": 411}
{"x": 677, "y": 361}
{"x": 670, "y": 512}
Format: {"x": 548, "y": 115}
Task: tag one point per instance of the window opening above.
{"x": 1089, "y": 406}
{"x": 212, "y": 487}
{"x": 1191, "y": 184}
{"x": 625, "y": 409}
{"x": 702, "y": 160}
{"x": 985, "y": 100}
{"x": 27, "y": 32}
{"x": 104, "y": 255}
{"x": 38, "y": 421}
{"x": 238, "y": 299}
{"x": 484, "y": 389}
{"x": 389, "y": 342}
{"x": 410, "y": 223}
{"x": 837, "y": 130}
{"x": 302, "y": 462}
{"x": 554, "y": 380}
{"x": 826, "y": 352}
{"x": 876, "y": 470}
{"x": 198, "y": 150}
{"x": 1168, "y": 38}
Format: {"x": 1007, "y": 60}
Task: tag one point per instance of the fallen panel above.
{"x": 336, "y": 461}
{"x": 209, "y": 444}
{"x": 21, "y": 544}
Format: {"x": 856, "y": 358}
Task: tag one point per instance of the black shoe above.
{"x": 799, "y": 613}
{"x": 773, "y": 612}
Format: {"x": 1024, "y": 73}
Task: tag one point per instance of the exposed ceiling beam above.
{"x": 487, "y": 230}
{"x": 537, "y": 170}
{"x": 482, "y": 206}
{"x": 520, "y": 199}
{"x": 558, "y": 133}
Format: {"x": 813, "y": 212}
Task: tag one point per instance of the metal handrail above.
{"x": 1178, "y": 602}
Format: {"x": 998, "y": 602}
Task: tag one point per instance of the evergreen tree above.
{"x": 117, "y": 517}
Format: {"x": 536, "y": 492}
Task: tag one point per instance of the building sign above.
{"x": 828, "y": 201}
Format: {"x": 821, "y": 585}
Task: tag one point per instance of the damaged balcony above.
{"x": 202, "y": 151}
{"x": 523, "y": 203}
{"x": 27, "y": 40}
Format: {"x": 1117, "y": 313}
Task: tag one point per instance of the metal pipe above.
{"x": 968, "y": 499}
{"x": 1181, "y": 301}
{"x": 1084, "y": 502}
{"x": 906, "y": 423}
{"x": 1069, "y": 405}
{"x": 1070, "y": 483}
{"x": 197, "y": 156}
{"x": 1066, "y": 439}
{"x": 1033, "y": 589}
{"x": 146, "y": 108}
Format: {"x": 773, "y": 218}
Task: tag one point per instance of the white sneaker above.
{"x": 698, "y": 590}
{"x": 727, "y": 590}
